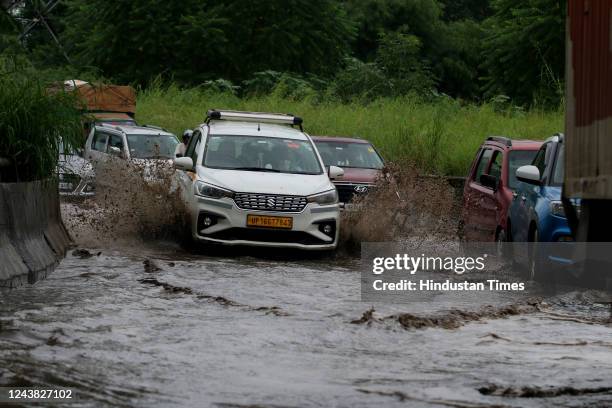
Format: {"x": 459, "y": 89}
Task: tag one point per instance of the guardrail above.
{"x": 33, "y": 238}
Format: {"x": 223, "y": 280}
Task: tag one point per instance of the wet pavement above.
{"x": 154, "y": 326}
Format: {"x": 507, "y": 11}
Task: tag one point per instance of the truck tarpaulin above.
{"x": 107, "y": 98}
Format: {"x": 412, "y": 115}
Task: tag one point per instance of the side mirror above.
{"x": 489, "y": 181}
{"x": 183, "y": 163}
{"x": 114, "y": 151}
{"x": 335, "y": 172}
{"x": 529, "y": 174}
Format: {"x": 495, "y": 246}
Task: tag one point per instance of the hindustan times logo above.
{"x": 413, "y": 264}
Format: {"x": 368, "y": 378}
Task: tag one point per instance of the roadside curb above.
{"x": 33, "y": 238}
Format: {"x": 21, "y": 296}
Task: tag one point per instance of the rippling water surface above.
{"x": 246, "y": 331}
{"x": 150, "y": 325}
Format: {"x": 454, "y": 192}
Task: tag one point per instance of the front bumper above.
{"x": 229, "y": 226}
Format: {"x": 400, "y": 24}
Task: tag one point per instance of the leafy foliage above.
{"x": 33, "y": 123}
{"x": 195, "y": 40}
{"x": 358, "y": 49}
{"x": 524, "y": 50}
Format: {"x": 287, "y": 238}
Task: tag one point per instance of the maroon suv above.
{"x": 490, "y": 185}
{"x": 359, "y": 159}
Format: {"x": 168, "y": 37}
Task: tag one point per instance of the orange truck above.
{"x": 103, "y": 104}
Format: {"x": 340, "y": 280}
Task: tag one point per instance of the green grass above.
{"x": 440, "y": 137}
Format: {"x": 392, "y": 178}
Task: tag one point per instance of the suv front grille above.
{"x": 270, "y": 202}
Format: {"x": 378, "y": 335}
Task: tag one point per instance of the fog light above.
{"x": 327, "y": 229}
{"x": 207, "y": 221}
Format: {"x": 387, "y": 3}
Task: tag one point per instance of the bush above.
{"x": 33, "y": 124}
{"x": 361, "y": 81}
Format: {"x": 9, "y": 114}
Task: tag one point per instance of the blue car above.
{"x": 537, "y": 214}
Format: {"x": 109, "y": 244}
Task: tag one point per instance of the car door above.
{"x": 492, "y": 204}
{"x": 188, "y": 178}
{"x": 96, "y": 150}
{"x": 526, "y": 199}
{"x": 478, "y": 201}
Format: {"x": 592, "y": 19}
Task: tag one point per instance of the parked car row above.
{"x": 513, "y": 194}
{"x": 247, "y": 178}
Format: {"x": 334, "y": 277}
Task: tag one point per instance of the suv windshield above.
{"x": 516, "y": 159}
{"x": 256, "y": 153}
{"x": 152, "y": 146}
{"x": 347, "y": 154}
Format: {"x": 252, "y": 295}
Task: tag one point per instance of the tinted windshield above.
{"x": 347, "y": 154}
{"x": 255, "y": 153}
{"x": 152, "y": 146}
{"x": 516, "y": 159}
{"x": 557, "y": 178}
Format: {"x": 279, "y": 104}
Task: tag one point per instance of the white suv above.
{"x": 255, "y": 179}
{"x": 130, "y": 142}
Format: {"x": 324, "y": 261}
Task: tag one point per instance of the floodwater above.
{"x": 153, "y": 326}
{"x": 132, "y": 322}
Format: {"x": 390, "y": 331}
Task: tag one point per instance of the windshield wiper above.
{"x": 255, "y": 169}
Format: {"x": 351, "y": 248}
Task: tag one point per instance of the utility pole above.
{"x": 42, "y": 11}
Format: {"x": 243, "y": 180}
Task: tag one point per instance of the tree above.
{"x": 458, "y": 10}
{"x": 524, "y": 51}
{"x": 196, "y": 40}
{"x": 399, "y": 58}
{"x": 373, "y": 18}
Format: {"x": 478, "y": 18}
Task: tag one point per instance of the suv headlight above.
{"x": 556, "y": 208}
{"x": 326, "y": 197}
{"x": 208, "y": 190}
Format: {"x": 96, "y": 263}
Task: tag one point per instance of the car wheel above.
{"x": 537, "y": 270}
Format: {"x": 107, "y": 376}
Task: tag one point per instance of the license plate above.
{"x": 263, "y": 221}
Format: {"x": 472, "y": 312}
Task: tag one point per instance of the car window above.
{"x": 483, "y": 164}
{"x": 349, "y": 154}
{"x": 194, "y": 147}
{"x": 516, "y": 159}
{"x": 152, "y": 146}
{"x": 99, "y": 141}
{"x": 496, "y": 164}
{"x": 540, "y": 159}
{"x": 114, "y": 141}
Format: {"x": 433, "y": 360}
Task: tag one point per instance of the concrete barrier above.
{"x": 33, "y": 238}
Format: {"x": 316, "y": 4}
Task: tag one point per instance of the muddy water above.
{"x": 133, "y": 322}
{"x": 243, "y": 331}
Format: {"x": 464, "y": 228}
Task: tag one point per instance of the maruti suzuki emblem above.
{"x": 271, "y": 202}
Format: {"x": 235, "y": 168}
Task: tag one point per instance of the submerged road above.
{"x": 158, "y": 327}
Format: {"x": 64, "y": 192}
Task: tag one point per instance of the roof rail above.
{"x": 154, "y": 127}
{"x": 261, "y": 117}
{"x": 500, "y": 139}
{"x": 109, "y": 125}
